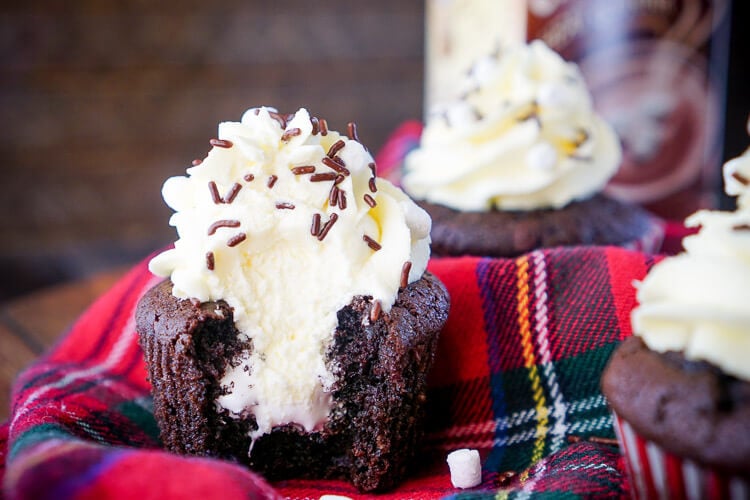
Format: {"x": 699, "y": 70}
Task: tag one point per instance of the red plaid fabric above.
{"x": 516, "y": 374}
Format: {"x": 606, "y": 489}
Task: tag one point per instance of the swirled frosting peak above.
{"x": 286, "y": 221}
{"x": 523, "y": 136}
{"x": 698, "y": 302}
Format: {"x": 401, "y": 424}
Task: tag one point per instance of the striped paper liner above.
{"x": 656, "y": 473}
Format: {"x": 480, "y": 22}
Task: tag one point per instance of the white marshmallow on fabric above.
{"x": 465, "y": 467}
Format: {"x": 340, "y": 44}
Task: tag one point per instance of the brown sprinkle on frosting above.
{"x": 336, "y": 164}
{"x": 741, "y": 227}
{"x": 271, "y": 181}
{"x": 370, "y": 200}
{"x": 323, "y": 124}
{"x": 342, "y": 199}
{"x": 373, "y": 187}
{"x": 339, "y": 179}
{"x": 741, "y": 178}
{"x": 375, "y": 311}
{"x": 315, "y": 126}
{"x": 333, "y": 196}
{"x": 236, "y": 239}
{"x": 305, "y": 169}
{"x": 279, "y": 118}
{"x": 285, "y": 205}
{"x": 221, "y": 143}
{"x": 327, "y": 226}
{"x": 210, "y": 261}
{"x": 372, "y": 243}
{"x": 405, "y": 270}
{"x": 326, "y": 176}
{"x": 249, "y": 177}
{"x": 214, "y": 193}
{"x": 222, "y": 223}
{"x": 315, "y": 228}
{"x": 351, "y": 131}
{"x": 232, "y": 194}
{"x": 292, "y": 132}
{"x": 335, "y": 148}
{"x": 373, "y": 168}
{"x": 196, "y": 162}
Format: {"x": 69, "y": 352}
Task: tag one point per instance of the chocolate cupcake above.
{"x": 520, "y": 162}
{"x": 297, "y": 326}
{"x": 680, "y": 387}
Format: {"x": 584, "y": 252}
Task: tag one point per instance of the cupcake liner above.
{"x": 656, "y": 473}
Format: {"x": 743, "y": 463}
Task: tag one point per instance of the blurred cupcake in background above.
{"x": 519, "y": 162}
{"x": 680, "y": 387}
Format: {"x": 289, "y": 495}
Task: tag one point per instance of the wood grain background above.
{"x": 101, "y": 100}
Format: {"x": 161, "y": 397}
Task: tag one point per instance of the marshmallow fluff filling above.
{"x": 287, "y": 222}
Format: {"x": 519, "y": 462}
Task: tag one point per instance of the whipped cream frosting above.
{"x": 286, "y": 221}
{"x": 698, "y": 302}
{"x": 523, "y": 136}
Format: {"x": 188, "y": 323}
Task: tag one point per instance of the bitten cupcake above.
{"x": 297, "y": 324}
{"x": 680, "y": 387}
{"x": 520, "y": 161}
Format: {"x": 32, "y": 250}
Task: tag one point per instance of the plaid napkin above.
{"x": 516, "y": 375}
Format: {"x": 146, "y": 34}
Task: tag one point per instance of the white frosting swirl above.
{"x": 524, "y": 137}
{"x": 698, "y": 302}
{"x": 285, "y": 284}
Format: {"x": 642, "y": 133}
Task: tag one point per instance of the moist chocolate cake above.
{"x": 380, "y": 361}
{"x": 691, "y": 408}
{"x": 503, "y": 233}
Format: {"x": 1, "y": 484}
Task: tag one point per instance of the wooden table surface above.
{"x": 31, "y": 324}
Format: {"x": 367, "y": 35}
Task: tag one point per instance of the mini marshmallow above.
{"x": 465, "y": 467}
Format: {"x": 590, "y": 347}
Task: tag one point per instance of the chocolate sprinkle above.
{"x": 504, "y": 478}
{"x": 592, "y": 439}
{"x": 279, "y": 118}
{"x": 236, "y": 239}
{"x": 327, "y": 227}
{"x": 405, "y": 270}
{"x": 285, "y": 205}
{"x": 222, "y": 223}
{"x": 373, "y": 168}
{"x": 306, "y": 169}
{"x": 375, "y": 311}
{"x": 326, "y": 176}
{"x": 351, "y": 129}
{"x": 315, "y": 228}
{"x": 315, "y": 126}
{"x": 370, "y": 200}
{"x": 196, "y": 162}
{"x": 249, "y": 177}
{"x": 372, "y": 243}
{"x": 210, "y": 262}
{"x": 288, "y": 134}
{"x": 271, "y": 181}
{"x": 323, "y": 126}
{"x": 214, "y": 193}
{"x": 342, "y": 199}
{"x": 232, "y": 194}
{"x": 335, "y": 148}
{"x": 741, "y": 178}
{"x": 372, "y": 185}
{"x": 221, "y": 143}
{"x": 339, "y": 179}
{"x": 336, "y": 164}
{"x": 741, "y": 227}
{"x": 333, "y": 196}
